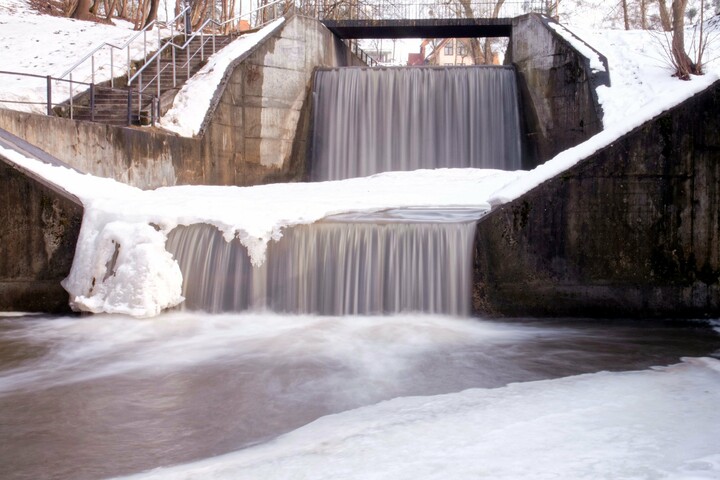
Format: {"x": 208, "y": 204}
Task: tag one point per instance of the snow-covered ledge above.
{"x": 193, "y": 101}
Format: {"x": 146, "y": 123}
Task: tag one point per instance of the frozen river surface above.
{"x": 102, "y": 396}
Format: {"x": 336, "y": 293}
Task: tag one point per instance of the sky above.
{"x": 656, "y": 423}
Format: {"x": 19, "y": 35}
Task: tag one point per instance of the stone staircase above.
{"x": 110, "y": 105}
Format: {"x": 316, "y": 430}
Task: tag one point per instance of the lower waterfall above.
{"x": 405, "y": 260}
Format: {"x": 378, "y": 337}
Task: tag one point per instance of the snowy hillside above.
{"x": 45, "y": 45}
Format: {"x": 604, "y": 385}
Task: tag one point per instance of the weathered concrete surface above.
{"x": 557, "y": 89}
{"x": 39, "y": 227}
{"x": 139, "y": 157}
{"x": 253, "y": 133}
{"x": 633, "y": 230}
{"x": 257, "y": 115}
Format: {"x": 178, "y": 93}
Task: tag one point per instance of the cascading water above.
{"x": 353, "y": 264}
{"x": 368, "y": 121}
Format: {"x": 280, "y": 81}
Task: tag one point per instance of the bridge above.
{"x": 409, "y": 19}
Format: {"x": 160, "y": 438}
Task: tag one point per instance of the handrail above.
{"x": 263, "y": 7}
{"x": 127, "y": 43}
{"x": 71, "y": 103}
{"x": 199, "y": 32}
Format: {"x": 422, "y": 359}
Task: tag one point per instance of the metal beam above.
{"x": 426, "y": 28}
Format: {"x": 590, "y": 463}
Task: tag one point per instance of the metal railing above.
{"x": 360, "y": 53}
{"x": 81, "y": 106}
{"x": 111, "y": 49}
{"x": 207, "y": 32}
{"x": 79, "y": 93}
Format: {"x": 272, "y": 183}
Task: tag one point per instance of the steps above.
{"x": 110, "y": 105}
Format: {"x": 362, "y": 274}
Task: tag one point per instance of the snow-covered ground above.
{"x": 655, "y": 424}
{"x": 658, "y": 423}
{"x": 46, "y": 45}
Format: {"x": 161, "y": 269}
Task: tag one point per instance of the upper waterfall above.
{"x": 368, "y": 121}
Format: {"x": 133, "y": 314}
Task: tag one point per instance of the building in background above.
{"x": 446, "y": 52}
{"x": 451, "y": 51}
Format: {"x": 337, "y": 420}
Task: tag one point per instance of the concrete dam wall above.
{"x": 39, "y": 227}
{"x": 633, "y": 230}
{"x": 557, "y": 89}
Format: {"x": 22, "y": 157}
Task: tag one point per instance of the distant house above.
{"x": 448, "y": 51}
{"x": 451, "y": 51}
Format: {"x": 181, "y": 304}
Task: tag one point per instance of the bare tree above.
{"x": 625, "y": 14}
{"x": 643, "y": 14}
{"x": 81, "y": 10}
{"x": 665, "y": 16}
{"x": 684, "y": 66}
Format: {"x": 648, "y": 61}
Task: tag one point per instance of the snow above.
{"x": 193, "y": 101}
{"x": 583, "y": 48}
{"x": 44, "y": 45}
{"x": 655, "y": 423}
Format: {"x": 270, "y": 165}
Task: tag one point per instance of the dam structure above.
{"x": 284, "y": 112}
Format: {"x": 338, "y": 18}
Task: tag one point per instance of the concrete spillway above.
{"x": 368, "y": 121}
{"x": 401, "y": 261}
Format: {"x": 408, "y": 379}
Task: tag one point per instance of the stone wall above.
{"x": 557, "y": 89}
{"x": 631, "y": 231}
{"x": 258, "y": 124}
{"x": 253, "y": 133}
{"x": 40, "y": 227}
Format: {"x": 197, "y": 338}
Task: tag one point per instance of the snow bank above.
{"x": 45, "y": 45}
{"x": 647, "y": 424}
{"x": 128, "y": 269}
{"x": 193, "y": 101}
{"x": 583, "y": 48}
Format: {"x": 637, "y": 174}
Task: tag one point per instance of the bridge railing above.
{"x": 410, "y": 9}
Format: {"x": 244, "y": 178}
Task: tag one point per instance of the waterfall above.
{"x": 368, "y": 121}
{"x": 345, "y": 265}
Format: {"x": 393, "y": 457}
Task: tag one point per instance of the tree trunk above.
{"x": 82, "y": 10}
{"x": 479, "y": 54}
{"x": 152, "y": 13}
{"x": 199, "y": 7}
{"x": 683, "y": 63}
{"x": 109, "y": 9}
{"x": 488, "y": 42}
{"x": 643, "y": 14}
{"x": 665, "y": 16}
{"x": 625, "y": 14}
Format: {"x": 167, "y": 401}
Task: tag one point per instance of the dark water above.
{"x": 100, "y": 396}
{"x": 368, "y": 121}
